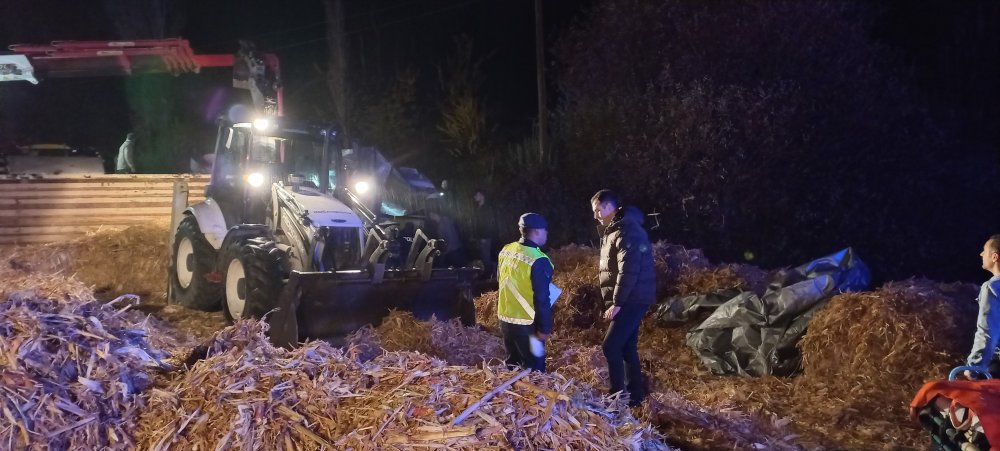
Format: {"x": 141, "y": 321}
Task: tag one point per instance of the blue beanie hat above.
{"x": 532, "y": 221}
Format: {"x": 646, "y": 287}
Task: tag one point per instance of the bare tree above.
{"x": 463, "y": 116}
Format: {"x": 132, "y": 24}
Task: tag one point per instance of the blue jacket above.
{"x": 987, "y": 325}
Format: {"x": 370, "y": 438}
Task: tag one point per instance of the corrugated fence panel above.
{"x": 67, "y": 207}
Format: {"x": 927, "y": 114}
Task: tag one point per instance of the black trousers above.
{"x": 621, "y": 348}
{"x": 516, "y": 340}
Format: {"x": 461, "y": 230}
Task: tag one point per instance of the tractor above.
{"x": 288, "y": 232}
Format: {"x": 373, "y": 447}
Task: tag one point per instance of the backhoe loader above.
{"x": 285, "y": 234}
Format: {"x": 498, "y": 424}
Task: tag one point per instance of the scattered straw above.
{"x": 865, "y": 354}
{"x": 73, "y": 373}
{"x": 447, "y": 340}
{"x": 254, "y": 396}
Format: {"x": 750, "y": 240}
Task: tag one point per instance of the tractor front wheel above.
{"x": 253, "y": 279}
{"x": 193, "y": 260}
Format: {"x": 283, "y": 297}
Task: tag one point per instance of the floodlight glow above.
{"x": 261, "y": 123}
{"x": 361, "y": 187}
{"x": 255, "y": 179}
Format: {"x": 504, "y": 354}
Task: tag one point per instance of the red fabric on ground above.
{"x": 981, "y": 397}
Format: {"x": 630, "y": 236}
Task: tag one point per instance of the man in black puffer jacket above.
{"x": 628, "y": 287}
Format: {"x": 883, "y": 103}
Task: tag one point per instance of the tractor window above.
{"x": 228, "y": 168}
{"x": 304, "y": 158}
{"x": 264, "y": 150}
{"x": 226, "y": 186}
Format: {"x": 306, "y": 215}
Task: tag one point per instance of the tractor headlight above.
{"x": 361, "y": 187}
{"x": 255, "y": 179}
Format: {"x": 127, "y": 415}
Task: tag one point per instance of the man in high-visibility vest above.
{"x": 523, "y": 308}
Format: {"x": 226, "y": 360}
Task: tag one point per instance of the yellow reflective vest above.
{"x": 516, "y": 303}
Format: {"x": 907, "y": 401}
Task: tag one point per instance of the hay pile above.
{"x": 866, "y": 354}
{"x": 447, "y": 340}
{"x": 907, "y": 331}
{"x": 580, "y": 306}
{"x": 113, "y": 262}
{"x": 672, "y": 260}
{"x": 73, "y": 372}
{"x": 719, "y": 278}
{"x": 254, "y": 396}
{"x": 42, "y": 285}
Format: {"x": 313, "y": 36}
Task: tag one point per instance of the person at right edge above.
{"x": 628, "y": 287}
{"x": 984, "y": 347}
{"x": 523, "y": 307}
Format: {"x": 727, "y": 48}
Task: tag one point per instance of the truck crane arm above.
{"x": 259, "y": 73}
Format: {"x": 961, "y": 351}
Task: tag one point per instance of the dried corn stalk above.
{"x": 73, "y": 373}
{"x": 253, "y": 396}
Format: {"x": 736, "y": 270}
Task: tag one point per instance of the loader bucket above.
{"x": 330, "y": 305}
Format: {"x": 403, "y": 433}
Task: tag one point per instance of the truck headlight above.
{"x": 255, "y": 179}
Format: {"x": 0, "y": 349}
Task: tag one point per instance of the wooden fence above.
{"x": 67, "y": 207}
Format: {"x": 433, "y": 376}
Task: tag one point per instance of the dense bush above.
{"x": 779, "y": 127}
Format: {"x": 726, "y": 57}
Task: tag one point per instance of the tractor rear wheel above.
{"x": 193, "y": 260}
{"x": 253, "y": 279}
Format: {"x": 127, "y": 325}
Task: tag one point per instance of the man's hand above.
{"x": 542, "y": 336}
{"x": 610, "y": 313}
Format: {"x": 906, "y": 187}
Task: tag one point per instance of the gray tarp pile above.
{"x": 756, "y": 335}
{"x": 679, "y": 310}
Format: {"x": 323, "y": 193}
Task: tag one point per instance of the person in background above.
{"x": 628, "y": 287}
{"x": 484, "y": 234}
{"x": 125, "y": 163}
{"x": 523, "y": 306}
{"x": 443, "y": 227}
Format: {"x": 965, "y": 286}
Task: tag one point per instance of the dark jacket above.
{"x": 627, "y": 274}
{"x": 541, "y": 277}
{"x": 484, "y": 223}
